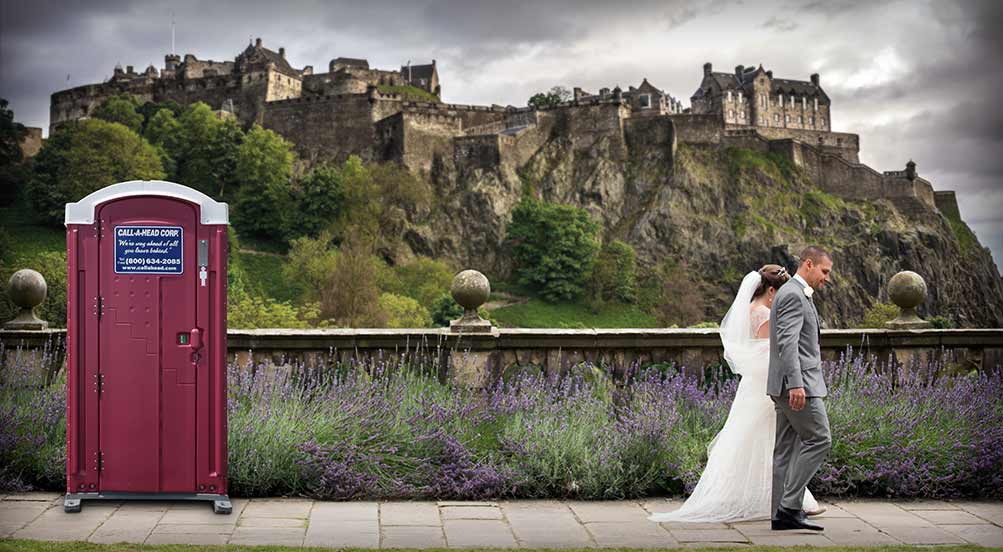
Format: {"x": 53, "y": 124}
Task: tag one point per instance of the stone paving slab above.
{"x": 503, "y": 524}
{"x": 413, "y": 536}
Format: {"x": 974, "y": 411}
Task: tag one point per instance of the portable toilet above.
{"x": 146, "y": 345}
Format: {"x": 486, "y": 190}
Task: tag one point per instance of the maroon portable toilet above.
{"x": 146, "y": 345}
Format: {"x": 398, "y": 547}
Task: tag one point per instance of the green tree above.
{"x": 554, "y": 247}
{"x": 12, "y": 172}
{"x": 121, "y": 109}
{"x": 264, "y": 205}
{"x": 614, "y": 276}
{"x": 550, "y": 98}
{"x": 163, "y": 132}
{"x": 86, "y": 156}
{"x": 207, "y": 152}
{"x": 320, "y": 200}
{"x": 149, "y": 109}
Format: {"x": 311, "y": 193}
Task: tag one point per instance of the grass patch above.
{"x": 409, "y": 92}
{"x": 817, "y": 204}
{"x": 538, "y": 313}
{"x": 967, "y": 240}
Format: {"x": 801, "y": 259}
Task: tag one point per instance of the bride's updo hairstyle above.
{"x": 774, "y": 276}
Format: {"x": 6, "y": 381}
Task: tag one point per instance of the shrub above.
{"x": 554, "y": 247}
{"x": 614, "y": 276}
{"x": 878, "y": 314}
{"x": 424, "y": 280}
{"x": 674, "y": 295}
{"x": 444, "y": 310}
{"x": 84, "y": 157}
{"x": 404, "y": 312}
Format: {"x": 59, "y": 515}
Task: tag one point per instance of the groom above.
{"x": 796, "y": 386}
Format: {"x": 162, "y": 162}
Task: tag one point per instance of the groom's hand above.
{"x": 797, "y": 398}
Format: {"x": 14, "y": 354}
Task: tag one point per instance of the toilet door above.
{"x": 148, "y": 340}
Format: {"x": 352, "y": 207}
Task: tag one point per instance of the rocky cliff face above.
{"x": 722, "y": 211}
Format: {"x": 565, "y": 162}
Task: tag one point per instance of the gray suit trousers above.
{"x": 802, "y": 444}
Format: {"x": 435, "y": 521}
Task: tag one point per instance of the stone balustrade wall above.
{"x": 478, "y": 360}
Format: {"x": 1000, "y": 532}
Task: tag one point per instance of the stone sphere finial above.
{"x": 908, "y": 291}
{"x": 27, "y": 290}
{"x": 471, "y": 290}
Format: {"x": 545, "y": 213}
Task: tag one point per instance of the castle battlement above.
{"x": 354, "y": 109}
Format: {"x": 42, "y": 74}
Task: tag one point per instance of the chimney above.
{"x": 257, "y": 43}
{"x": 282, "y": 53}
{"x": 706, "y": 69}
{"x": 910, "y": 170}
{"x": 814, "y": 79}
{"x": 770, "y": 73}
{"x": 739, "y": 69}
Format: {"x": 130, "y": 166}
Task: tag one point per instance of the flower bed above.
{"x": 390, "y": 430}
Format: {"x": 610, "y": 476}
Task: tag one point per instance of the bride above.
{"x": 737, "y": 482}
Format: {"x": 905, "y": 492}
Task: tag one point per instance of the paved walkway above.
{"x": 509, "y": 523}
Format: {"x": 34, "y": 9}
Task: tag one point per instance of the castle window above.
{"x": 776, "y": 117}
{"x": 729, "y": 95}
{"x": 762, "y": 100}
{"x": 816, "y": 104}
{"x": 787, "y": 119}
{"x": 645, "y": 100}
{"x": 792, "y": 100}
{"x": 731, "y": 114}
{"x": 821, "y": 122}
{"x": 741, "y": 98}
{"x": 804, "y": 102}
{"x": 811, "y": 120}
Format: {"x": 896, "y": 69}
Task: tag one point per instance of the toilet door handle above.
{"x": 196, "y": 339}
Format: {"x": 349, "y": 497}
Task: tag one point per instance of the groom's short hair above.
{"x": 815, "y": 254}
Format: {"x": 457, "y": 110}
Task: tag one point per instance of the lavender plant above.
{"x": 389, "y": 428}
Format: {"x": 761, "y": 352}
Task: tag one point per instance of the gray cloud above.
{"x": 915, "y": 80}
{"x": 779, "y": 24}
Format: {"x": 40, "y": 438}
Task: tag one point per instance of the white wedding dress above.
{"x": 736, "y": 484}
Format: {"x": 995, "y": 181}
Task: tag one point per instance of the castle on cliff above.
{"x": 398, "y": 115}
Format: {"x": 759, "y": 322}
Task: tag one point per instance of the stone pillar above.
{"x": 907, "y": 290}
{"x": 27, "y": 290}
{"x": 468, "y": 366}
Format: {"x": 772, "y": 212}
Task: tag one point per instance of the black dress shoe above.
{"x": 787, "y": 519}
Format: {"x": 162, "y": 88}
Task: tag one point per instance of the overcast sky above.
{"x": 917, "y": 80}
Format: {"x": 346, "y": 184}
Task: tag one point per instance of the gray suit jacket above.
{"x": 795, "y": 356}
